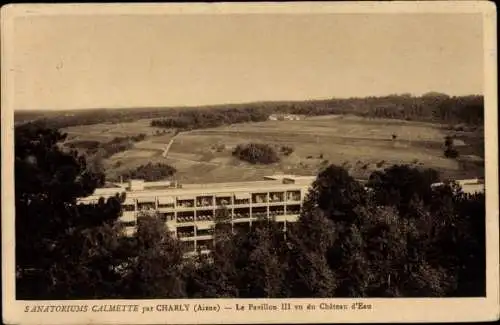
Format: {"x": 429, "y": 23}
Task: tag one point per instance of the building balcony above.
{"x": 223, "y": 201}
{"x": 185, "y": 204}
{"x": 185, "y": 208}
{"x": 204, "y": 203}
{"x": 241, "y": 203}
{"x": 166, "y": 208}
{"x": 276, "y": 197}
{"x": 130, "y": 231}
{"x": 259, "y": 198}
{"x": 259, "y": 215}
{"x": 127, "y": 208}
{"x": 184, "y": 219}
{"x": 204, "y": 228}
{"x": 204, "y": 237}
{"x": 276, "y": 213}
{"x": 238, "y": 216}
{"x": 261, "y": 204}
{"x": 205, "y": 217}
{"x": 293, "y": 196}
{"x": 185, "y": 235}
{"x": 286, "y": 217}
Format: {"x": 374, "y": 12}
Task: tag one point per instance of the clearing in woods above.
{"x": 361, "y": 145}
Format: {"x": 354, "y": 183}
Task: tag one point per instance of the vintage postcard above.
{"x": 223, "y": 163}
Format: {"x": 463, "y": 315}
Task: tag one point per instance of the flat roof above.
{"x": 208, "y": 188}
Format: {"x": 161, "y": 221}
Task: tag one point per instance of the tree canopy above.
{"x": 58, "y": 243}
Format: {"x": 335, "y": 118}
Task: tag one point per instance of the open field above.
{"x": 360, "y": 144}
{"x": 107, "y": 131}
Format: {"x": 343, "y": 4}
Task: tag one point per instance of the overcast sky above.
{"x": 66, "y": 62}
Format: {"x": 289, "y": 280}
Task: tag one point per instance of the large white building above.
{"x": 189, "y": 211}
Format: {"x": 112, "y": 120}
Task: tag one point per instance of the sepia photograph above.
{"x": 236, "y": 163}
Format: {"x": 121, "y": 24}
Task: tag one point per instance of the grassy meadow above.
{"x": 360, "y": 144}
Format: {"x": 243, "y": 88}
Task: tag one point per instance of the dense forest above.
{"x": 401, "y": 238}
{"x": 203, "y": 118}
{"x": 432, "y": 107}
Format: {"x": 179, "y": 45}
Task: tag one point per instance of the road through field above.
{"x": 171, "y": 142}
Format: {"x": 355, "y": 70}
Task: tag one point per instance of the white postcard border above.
{"x": 383, "y": 310}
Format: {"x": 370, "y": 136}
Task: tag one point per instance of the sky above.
{"x": 106, "y": 61}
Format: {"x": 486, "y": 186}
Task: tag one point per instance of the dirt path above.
{"x": 171, "y": 142}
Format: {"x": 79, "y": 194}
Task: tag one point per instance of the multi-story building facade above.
{"x": 190, "y": 211}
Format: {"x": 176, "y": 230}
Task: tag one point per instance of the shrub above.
{"x": 256, "y": 153}
{"x": 451, "y": 153}
{"x": 286, "y": 150}
{"x": 150, "y": 172}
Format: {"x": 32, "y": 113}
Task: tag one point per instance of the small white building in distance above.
{"x": 284, "y": 117}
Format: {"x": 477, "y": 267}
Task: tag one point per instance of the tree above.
{"x": 400, "y": 185}
{"x": 51, "y": 228}
{"x": 261, "y": 262}
{"x": 215, "y": 276}
{"x": 150, "y": 172}
{"x": 256, "y": 153}
{"x": 156, "y": 268}
{"x": 309, "y": 240}
{"x": 335, "y": 193}
{"x": 450, "y": 151}
{"x": 402, "y": 238}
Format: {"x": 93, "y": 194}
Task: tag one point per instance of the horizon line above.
{"x": 317, "y": 99}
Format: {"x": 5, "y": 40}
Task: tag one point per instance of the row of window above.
{"x": 208, "y": 201}
{"x": 207, "y": 244}
{"x": 238, "y": 213}
{"x": 151, "y": 207}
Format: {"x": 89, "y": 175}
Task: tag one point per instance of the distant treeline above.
{"x": 107, "y": 149}
{"x": 202, "y": 118}
{"x": 431, "y": 107}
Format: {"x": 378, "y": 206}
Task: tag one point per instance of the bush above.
{"x": 150, "y": 172}
{"x": 256, "y": 153}
{"x": 83, "y": 144}
{"x": 286, "y": 150}
{"x": 448, "y": 141}
{"x": 451, "y": 153}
